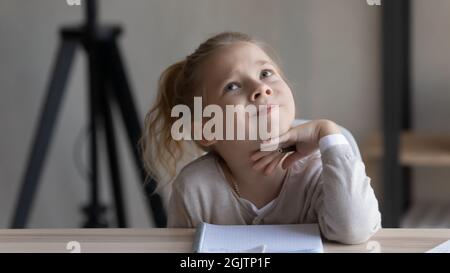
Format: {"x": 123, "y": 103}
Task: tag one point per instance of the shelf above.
{"x": 416, "y": 150}
{"x": 427, "y": 215}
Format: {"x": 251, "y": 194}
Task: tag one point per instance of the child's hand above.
{"x": 304, "y": 137}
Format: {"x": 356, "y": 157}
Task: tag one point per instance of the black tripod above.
{"x": 107, "y": 83}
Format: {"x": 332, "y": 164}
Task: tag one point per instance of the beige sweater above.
{"x": 330, "y": 189}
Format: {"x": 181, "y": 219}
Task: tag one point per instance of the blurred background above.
{"x": 331, "y": 50}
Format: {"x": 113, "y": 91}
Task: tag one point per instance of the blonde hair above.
{"x": 177, "y": 85}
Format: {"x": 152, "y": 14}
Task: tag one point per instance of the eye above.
{"x": 231, "y": 86}
{"x": 266, "y": 73}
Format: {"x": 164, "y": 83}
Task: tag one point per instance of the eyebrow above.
{"x": 258, "y": 62}
{"x": 262, "y": 62}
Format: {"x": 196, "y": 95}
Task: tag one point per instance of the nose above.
{"x": 261, "y": 91}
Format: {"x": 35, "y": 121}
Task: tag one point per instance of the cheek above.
{"x": 287, "y": 115}
{"x": 286, "y": 98}
{"x": 291, "y": 106}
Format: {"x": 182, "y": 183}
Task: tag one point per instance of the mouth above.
{"x": 266, "y": 109}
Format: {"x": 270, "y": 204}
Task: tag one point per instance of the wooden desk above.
{"x": 180, "y": 240}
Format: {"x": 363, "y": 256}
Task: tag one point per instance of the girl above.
{"x": 322, "y": 181}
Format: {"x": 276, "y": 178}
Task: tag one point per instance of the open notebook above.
{"x": 258, "y": 238}
{"x": 442, "y": 248}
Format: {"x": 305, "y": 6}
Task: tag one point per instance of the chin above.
{"x": 286, "y": 121}
{"x": 284, "y": 127}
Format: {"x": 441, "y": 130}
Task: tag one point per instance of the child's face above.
{"x": 243, "y": 74}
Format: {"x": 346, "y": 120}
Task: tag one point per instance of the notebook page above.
{"x": 276, "y": 238}
{"x": 442, "y": 248}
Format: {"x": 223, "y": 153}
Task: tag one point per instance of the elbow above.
{"x": 352, "y": 234}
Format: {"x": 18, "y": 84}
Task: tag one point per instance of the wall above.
{"x": 329, "y": 49}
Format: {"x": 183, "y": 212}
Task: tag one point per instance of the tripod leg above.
{"x": 112, "y": 156}
{"x": 44, "y": 132}
{"x": 123, "y": 96}
{"x": 95, "y": 210}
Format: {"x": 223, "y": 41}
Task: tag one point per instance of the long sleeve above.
{"x": 178, "y": 215}
{"x": 346, "y": 206}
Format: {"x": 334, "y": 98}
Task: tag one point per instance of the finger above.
{"x": 286, "y": 138}
{"x": 302, "y": 150}
{"x": 259, "y": 154}
{"x": 274, "y": 164}
{"x": 287, "y": 163}
{"x": 274, "y": 143}
{"x": 260, "y": 164}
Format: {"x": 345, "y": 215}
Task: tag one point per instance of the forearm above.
{"x": 348, "y": 211}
